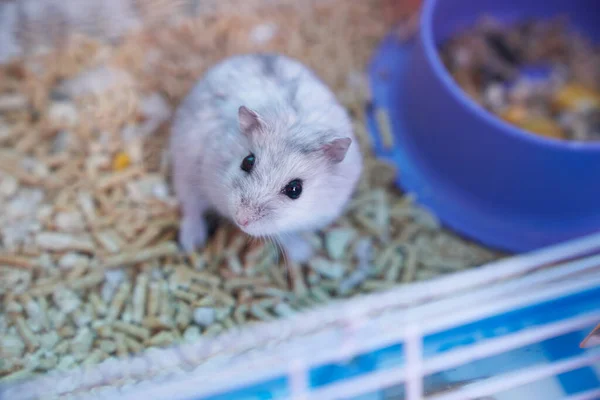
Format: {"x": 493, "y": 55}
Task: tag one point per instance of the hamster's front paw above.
{"x": 192, "y": 234}
{"x": 297, "y": 248}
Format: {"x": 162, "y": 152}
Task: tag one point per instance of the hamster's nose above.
{"x": 243, "y": 221}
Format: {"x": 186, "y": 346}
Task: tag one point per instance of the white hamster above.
{"x": 263, "y": 141}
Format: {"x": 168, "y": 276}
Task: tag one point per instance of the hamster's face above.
{"x": 288, "y": 179}
{"x": 275, "y": 188}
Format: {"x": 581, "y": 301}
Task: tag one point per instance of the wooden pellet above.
{"x": 62, "y": 347}
{"x": 300, "y": 288}
{"x": 116, "y": 306}
{"x": 139, "y": 298}
{"x": 153, "y": 298}
{"x": 166, "y": 310}
{"x": 234, "y": 264}
{"x": 368, "y": 224}
{"x": 239, "y": 314}
{"x": 88, "y": 281}
{"x": 228, "y": 323}
{"x": 276, "y": 275}
{"x": 410, "y": 266}
{"x": 201, "y": 290}
{"x": 236, "y": 245}
{"x": 225, "y": 298}
{"x": 13, "y": 169}
{"x": 119, "y": 178}
{"x": 371, "y": 285}
{"x": 183, "y": 316}
{"x": 237, "y": 283}
{"x": 159, "y": 322}
{"x": 284, "y": 310}
{"x": 205, "y": 278}
{"x": 99, "y": 306}
{"x": 94, "y": 358}
{"x": 13, "y": 260}
{"x": 104, "y": 330}
{"x": 259, "y": 312}
{"x": 213, "y": 330}
{"x": 107, "y": 346}
{"x": 109, "y": 240}
{"x": 16, "y": 376}
{"x": 320, "y": 295}
{"x": 183, "y": 295}
{"x": 44, "y": 289}
{"x": 128, "y": 258}
{"x": 30, "y": 340}
{"x": 132, "y": 330}
{"x": 161, "y": 339}
{"x": 122, "y": 350}
{"x": 76, "y": 272}
{"x": 206, "y": 301}
{"x": 393, "y": 272}
{"x": 67, "y": 331}
{"x": 385, "y": 129}
{"x": 147, "y": 237}
{"x": 54, "y": 241}
{"x": 270, "y": 291}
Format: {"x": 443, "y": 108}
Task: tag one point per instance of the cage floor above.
{"x": 89, "y": 266}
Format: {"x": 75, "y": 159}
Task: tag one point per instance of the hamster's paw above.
{"x": 297, "y": 248}
{"x": 192, "y": 234}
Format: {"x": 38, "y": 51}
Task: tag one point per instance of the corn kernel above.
{"x": 543, "y": 127}
{"x": 574, "y": 96}
{"x": 121, "y": 161}
{"x": 514, "y": 114}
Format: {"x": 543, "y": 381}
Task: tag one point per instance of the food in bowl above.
{"x": 539, "y": 75}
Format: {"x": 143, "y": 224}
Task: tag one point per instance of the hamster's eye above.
{"x": 293, "y": 190}
{"x": 248, "y": 162}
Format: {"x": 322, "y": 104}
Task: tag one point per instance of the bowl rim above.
{"x": 432, "y": 55}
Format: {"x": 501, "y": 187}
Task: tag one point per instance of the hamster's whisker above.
{"x": 286, "y": 261}
{"x": 275, "y": 243}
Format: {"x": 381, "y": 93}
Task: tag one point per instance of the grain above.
{"x": 493, "y": 64}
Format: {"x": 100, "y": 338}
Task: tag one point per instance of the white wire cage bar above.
{"x": 339, "y": 332}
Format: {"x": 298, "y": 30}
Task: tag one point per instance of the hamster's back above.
{"x": 208, "y": 116}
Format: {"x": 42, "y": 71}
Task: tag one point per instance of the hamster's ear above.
{"x": 336, "y": 149}
{"x": 249, "y": 120}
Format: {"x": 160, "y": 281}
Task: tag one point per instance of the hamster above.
{"x": 261, "y": 140}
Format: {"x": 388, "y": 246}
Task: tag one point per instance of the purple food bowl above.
{"x": 483, "y": 177}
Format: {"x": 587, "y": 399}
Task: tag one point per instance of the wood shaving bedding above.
{"x": 89, "y": 266}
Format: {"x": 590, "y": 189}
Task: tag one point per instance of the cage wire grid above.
{"x": 341, "y": 331}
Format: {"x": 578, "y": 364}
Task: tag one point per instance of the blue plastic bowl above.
{"x": 491, "y": 181}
